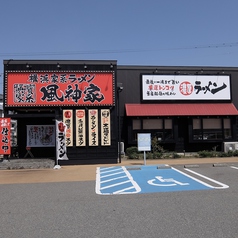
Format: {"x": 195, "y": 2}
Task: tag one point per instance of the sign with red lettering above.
{"x": 5, "y": 138}
{"x": 186, "y": 87}
{"x": 80, "y": 128}
{"x": 93, "y": 127}
{"x": 61, "y": 150}
{"x": 68, "y": 121}
{"x": 53, "y": 88}
{"x": 105, "y": 127}
{"x": 40, "y": 135}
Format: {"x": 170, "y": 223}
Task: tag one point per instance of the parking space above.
{"x": 158, "y": 178}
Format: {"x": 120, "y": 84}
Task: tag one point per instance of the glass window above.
{"x": 168, "y": 124}
{"x": 227, "y": 123}
{"x": 136, "y": 125}
{"x": 212, "y": 123}
{"x": 227, "y": 128}
{"x": 212, "y": 129}
{"x": 196, "y": 124}
{"x": 152, "y": 124}
{"x": 197, "y": 129}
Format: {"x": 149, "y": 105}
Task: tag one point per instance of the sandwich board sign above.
{"x": 144, "y": 143}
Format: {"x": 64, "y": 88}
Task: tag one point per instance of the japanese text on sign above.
{"x": 80, "y": 128}
{"x": 105, "y": 127}
{"x": 186, "y": 87}
{"x": 54, "y": 88}
{"x": 5, "y": 143}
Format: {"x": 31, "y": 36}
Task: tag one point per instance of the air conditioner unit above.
{"x": 230, "y": 146}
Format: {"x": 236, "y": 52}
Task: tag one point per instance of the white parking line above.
{"x": 223, "y": 186}
{"x": 110, "y": 173}
{"x": 113, "y": 179}
{"x": 233, "y": 167}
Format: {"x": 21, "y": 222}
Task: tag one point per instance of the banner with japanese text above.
{"x": 52, "y": 88}
{"x": 93, "y": 127}
{"x": 105, "y": 127}
{"x": 68, "y": 120}
{"x": 186, "y": 87}
{"x": 61, "y": 152}
{"x": 40, "y": 135}
{"x": 5, "y": 142}
{"x": 80, "y": 128}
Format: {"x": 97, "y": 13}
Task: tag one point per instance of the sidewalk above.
{"x": 88, "y": 172}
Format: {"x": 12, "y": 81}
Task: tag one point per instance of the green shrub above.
{"x": 175, "y": 156}
{"x": 235, "y": 153}
{"x": 206, "y": 154}
{"x": 230, "y": 153}
{"x": 131, "y": 151}
{"x": 133, "y": 156}
{"x": 223, "y": 154}
{"x": 149, "y": 155}
{"x": 157, "y": 155}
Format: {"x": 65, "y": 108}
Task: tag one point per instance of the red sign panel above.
{"x": 59, "y": 88}
{"x": 5, "y": 137}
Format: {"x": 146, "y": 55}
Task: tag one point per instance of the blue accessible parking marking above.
{"x": 147, "y": 179}
{"x": 115, "y": 180}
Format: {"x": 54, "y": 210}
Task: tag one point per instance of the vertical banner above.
{"x": 5, "y": 142}
{"x": 68, "y": 121}
{"x": 80, "y": 128}
{"x": 105, "y": 127}
{"x": 93, "y": 127}
{"x": 61, "y": 153}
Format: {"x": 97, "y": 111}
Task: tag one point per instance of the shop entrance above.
{"x": 183, "y": 135}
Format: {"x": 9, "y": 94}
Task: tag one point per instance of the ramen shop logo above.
{"x": 186, "y": 88}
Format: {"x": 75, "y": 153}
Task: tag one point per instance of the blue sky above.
{"x": 133, "y": 32}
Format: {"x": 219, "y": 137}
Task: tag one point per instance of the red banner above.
{"x": 59, "y": 88}
{"x": 5, "y": 141}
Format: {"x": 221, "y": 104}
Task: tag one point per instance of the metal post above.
{"x": 119, "y": 90}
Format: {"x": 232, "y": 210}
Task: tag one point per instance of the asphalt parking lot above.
{"x": 73, "y": 208}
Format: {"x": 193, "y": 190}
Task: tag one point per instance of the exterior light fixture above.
{"x": 28, "y": 66}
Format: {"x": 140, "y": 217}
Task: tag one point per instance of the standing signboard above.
{"x": 144, "y": 143}
{"x": 5, "y": 142}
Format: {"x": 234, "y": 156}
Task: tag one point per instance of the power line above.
{"x": 196, "y": 47}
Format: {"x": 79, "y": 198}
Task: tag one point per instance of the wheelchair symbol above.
{"x": 165, "y": 182}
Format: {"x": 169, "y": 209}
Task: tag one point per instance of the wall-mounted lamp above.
{"x": 28, "y": 66}
{"x": 85, "y": 66}
{"x": 58, "y": 66}
{"x": 111, "y": 66}
{"x": 156, "y": 71}
{"x": 119, "y": 87}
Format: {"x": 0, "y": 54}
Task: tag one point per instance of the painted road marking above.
{"x": 149, "y": 179}
{"x": 115, "y": 180}
{"x": 222, "y": 185}
{"x": 162, "y": 182}
{"x": 233, "y": 167}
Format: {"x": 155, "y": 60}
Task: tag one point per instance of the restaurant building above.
{"x": 104, "y": 106}
{"x": 187, "y": 109}
{"x": 80, "y": 93}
